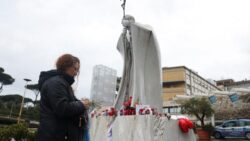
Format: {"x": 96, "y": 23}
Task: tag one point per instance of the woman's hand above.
{"x": 86, "y": 102}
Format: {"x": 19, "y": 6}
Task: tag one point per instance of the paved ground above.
{"x": 230, "y": 139}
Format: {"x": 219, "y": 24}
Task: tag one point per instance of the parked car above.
{"x": 233, "y": 128}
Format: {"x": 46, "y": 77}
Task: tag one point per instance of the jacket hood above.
{"x": 45, "y": 75}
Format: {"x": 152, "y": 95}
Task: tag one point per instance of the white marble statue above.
{"x": 141, "y": 77}
{"x": 142, "y": 80}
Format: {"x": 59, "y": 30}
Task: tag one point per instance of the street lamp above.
{"x": 21, "y": 107}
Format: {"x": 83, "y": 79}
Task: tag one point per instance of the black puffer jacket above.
{"x": 60, "y": 111}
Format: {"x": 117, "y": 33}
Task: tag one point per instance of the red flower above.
{"x": 126, "y": 104}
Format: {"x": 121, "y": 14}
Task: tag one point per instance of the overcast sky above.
{"x": 210, "y": 37}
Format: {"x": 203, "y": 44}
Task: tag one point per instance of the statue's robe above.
{"x": 141, "y": 77}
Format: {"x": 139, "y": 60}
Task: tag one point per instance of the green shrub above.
{"x": 4, "y": 133}
{"x": 17, "y": 131}
{"x": 31, "y": 134}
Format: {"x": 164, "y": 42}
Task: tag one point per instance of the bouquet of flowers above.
{"x": 105, "y": 111}
{"x": 127, "y": 108}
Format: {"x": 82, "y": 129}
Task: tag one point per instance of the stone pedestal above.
{"x": 99, "y": 128}
{"x": 139, "y": 128}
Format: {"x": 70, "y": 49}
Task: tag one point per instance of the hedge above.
{"x": 19, "y": 132}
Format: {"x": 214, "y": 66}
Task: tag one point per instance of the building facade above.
{"x": 229, "y": 84}
{"x": 103, "y": 86}
{"x": 182, "y": 81}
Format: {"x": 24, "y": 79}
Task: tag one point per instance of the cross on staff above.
{"x": 123, "y": 7}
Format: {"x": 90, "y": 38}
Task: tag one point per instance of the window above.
{"x": 242, "y": 123}
{"x": 230, "y": 124}
{"x": 247, "y": 123}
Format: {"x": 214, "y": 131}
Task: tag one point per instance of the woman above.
{"x": 62, "y": 116}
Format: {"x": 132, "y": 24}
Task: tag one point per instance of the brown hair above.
{"x": 66, "y": 61}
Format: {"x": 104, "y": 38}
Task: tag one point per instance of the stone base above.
{"x": 139, "y": 128}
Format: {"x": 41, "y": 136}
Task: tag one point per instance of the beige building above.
{"x": 181, "y": 80}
